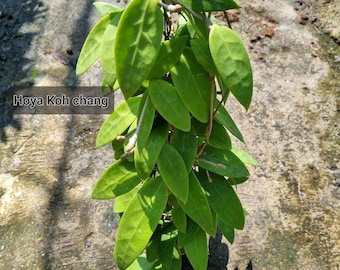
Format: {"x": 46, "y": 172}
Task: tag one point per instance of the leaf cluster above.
{"x": 175, "y": 167}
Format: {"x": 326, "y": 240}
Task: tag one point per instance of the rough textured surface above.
{"x": 49, "y": 164}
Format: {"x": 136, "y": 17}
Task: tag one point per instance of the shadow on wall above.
{"x": 15, "y": 67}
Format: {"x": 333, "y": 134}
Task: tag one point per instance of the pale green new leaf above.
{"x": 193, "y": 85}
{"x": 138, "y": 41}
{"x": 107, "y": 52}
{"x": 118, "y": 121}
{"x": 118, "y": 179}
{"x": 174, "y": 173}
{"x": 168, "y": 55}
{"x": 104, "y": 8}
{"x": 210, "y": 5}
{"x": 146, "y": 156}
{"x": 90, "y": 51}
{"x": 167, "y": 102}
{"x": 202, "y": 214}
{"x": 244, "y": 156}
{"x": 139, "y": 221}
{"x": 232, "y": 62}
{"x": 223, "y": 200}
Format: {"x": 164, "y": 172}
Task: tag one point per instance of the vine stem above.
{"x": 133, "y": 140}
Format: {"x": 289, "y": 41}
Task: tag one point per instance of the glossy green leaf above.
{"x": 223, "y": 200}
{"x": 174, "y": 173}
{"x": 244, "y": 156}
{"x": 167, "y": 102}
{"x": 197, "y": 251}
{"x": 179, "y": 218}
{"x": 118, "y": 121}
{"x": 168, "y": 55}
{"x": 107, "y": 51}
{"x": 193, "y": 85}
{"x": 152, "y": 250}
{"x": 232, "y": 62}
{"x": 118, "y": 179}
{"x": 227, "y": 231}
{"x": 210, "y": 5}
{"x": 90, "y": 51}
{"x": 138, "y": 41}
{"x": 145, "y": 120}
{"x": 139, "y": 221}
{"x": 146, "y": 157}
{"x": 202, "y": 53}
{"x": 121, "y": 202}
{"x": 176, "y": 262}
{"x": 222, "y": 162}
{"x": 224, "y": 118}
{"x": 104, "y": 8}
{"x": 166, "y": 246}
{"x": 219, "y": 137}
{"x": 141, "y": 263}
{"x": 192, "y": 229}
{"x": 237, "y": 181}
{"x": 186, "y": 145}
{"x": 202, "y": 214}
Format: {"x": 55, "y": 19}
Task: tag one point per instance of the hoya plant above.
{"x": 175, "y": 170}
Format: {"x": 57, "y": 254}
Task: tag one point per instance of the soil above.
{"x": 49, "y": 165}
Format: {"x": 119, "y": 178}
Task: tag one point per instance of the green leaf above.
{"x": 176, "y": 263}
{"x": 223, "y": 200}
{"x": 146, "y": 157}
{"x": 179, "y": 218}
{"x": 232, "y": 62}
{"x": 237, "y": 181}
{"x": 210, "y": 5}
{"x": 145, "y": 122}
{"x": 174, "y": 173}
{"x": 138, "y": 41}
{"x": 193, "y": 85}
{"x": 224, "y": 118}
{"x": 197, "y": 206}
{"x": 167, "y": 102}
{"x": 139, "y": 221}
{"x": 219, "y": 137}
{"x": 222, "y": 162}
{"x": 168, "y": 55}
{"x": 90, "y": 51}
{"x": 104, "y": 8}
{"x": 121, "y": 202}
{"x": 197, "y": 251}
{"x": 244, "y": 156}
{"x": 118, "y": 179}
{"x": 227, "y": 231}
{"x": 107, "y": 52}
{"x": 166, "y": 246}
{"x": 201, "y": 51}
{"x": 152, "y": 250}
{"x": 118, "y": 121}
{"x": 192, "y": 229}
{"x": 141, "y": 263}
{"x": 186, "y": 145}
